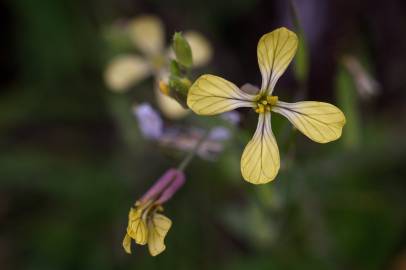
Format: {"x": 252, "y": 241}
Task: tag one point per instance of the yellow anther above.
{"x": 257, "y": 97}
{"x": 164, "y": 88}
{"x": 260, "y": 109}
{"x": 265, "y": 103}
{"x": 272, "y": 100}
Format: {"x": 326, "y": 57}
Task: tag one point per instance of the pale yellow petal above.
{"x": 137, "y": 230}
{"x": 210, "y": 95}
{"x": 147, "y": 33}
{"x": 321, "y": 122}
{"x": 275, "y": 51}
{"x": 125, "y": 71}
{"x": 260, "y": 160}
{"x": 134, "y": 214}
{"x": 201, "y": 48}
{"x": 158, "y": 226}
{"x": 127, "y": 243}
{"x": 170, "y": 107}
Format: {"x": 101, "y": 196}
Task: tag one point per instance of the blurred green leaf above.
{"x": 301, "y": 62}
{"x": 301, "y": 66}
{"x": 348, "y": 103}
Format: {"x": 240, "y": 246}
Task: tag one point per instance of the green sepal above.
{"x": 182, "y": 50}
{"x": 174, "y": 68}
{"x": 179, "y": 88}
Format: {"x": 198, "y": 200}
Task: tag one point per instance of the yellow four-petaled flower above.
{"x": 147, "y": 226}
{"x": 260, "y": 162}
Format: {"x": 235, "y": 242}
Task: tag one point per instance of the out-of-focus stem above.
{"x": 185, "y": 162}
{"x": 173, "y": 179}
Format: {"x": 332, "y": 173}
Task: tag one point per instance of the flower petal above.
{"x": 137, "y": 229}
{"x": 149, "y": 121}
{"x": 321, "y": 122}
{"x": 260, "y": 160}
{"x": 169, "y": 106}
{"x": 210, "y": 95}
{"x": 158, "y": 227}
{"x": 147, "y": 33}
{"x": 201, "y": 49}
{"x": 125, "y": 71}
{"x": 127, "y": 243}
{"x": 275, "y": 51}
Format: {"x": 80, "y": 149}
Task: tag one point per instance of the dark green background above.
{"x": 72, "y": 160}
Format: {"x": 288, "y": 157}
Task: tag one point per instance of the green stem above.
{"x": 186, "y": 161}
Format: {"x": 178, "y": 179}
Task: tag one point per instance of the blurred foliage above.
{"x": 348, "y": 100}
{"x": 72, "y": 160}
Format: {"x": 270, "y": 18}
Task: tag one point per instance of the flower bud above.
{"x": 182, "y": 50}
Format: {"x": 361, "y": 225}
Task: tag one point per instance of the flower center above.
{"x": 264, "y": 103}
{"x": 157, "y": 62}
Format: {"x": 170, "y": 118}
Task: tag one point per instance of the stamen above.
{"x": 260, "y": 109}
{"x": 164, "y": 88}
{"x": 265, "y": 103}
{"x": 272, "y": 100}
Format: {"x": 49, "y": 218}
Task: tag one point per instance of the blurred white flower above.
{"x": 185, "y": 139}
{"x": 366, "y": 85}
{"x": 233, "y": 117}
{"x": 201, "y": 48}
{"x": 219, "y": 134}
{"x": 124, "y": 71}
{"x": 147, "y": 34}
{"x": 179, "y": 138}
{"x": 250, "y": 88}
{"x": 169, "y": 106}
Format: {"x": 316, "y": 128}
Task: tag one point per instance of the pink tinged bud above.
{"x": 174, "y": 186}
{"x": 163, "y": 182}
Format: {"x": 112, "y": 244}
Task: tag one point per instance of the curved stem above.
{"x": 185, "y": 162}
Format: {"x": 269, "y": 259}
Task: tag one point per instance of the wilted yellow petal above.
{"x": 275, "y": 51}
{"x": 125, "y": 71}
{"x": 147, "y": 33}
{"x": 137, "y": 228}
{"x": 321, "y": 122}
{"x": 138, "y": 231}
{"x": 158, "y": 227}
{"x": 201, "y": 49}
{"x": 170, "y": 107}
{"x": 127, "y": 243}
{"x": 260, "y": 160}
{"x": 210, "y": 95}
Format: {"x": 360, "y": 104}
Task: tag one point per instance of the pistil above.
{"x": 265, "y": 103}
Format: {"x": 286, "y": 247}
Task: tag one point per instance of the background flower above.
{"x": 179, "y": 137}
{"x": 147, "y": 34}
{"x": 73, "y": 159}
